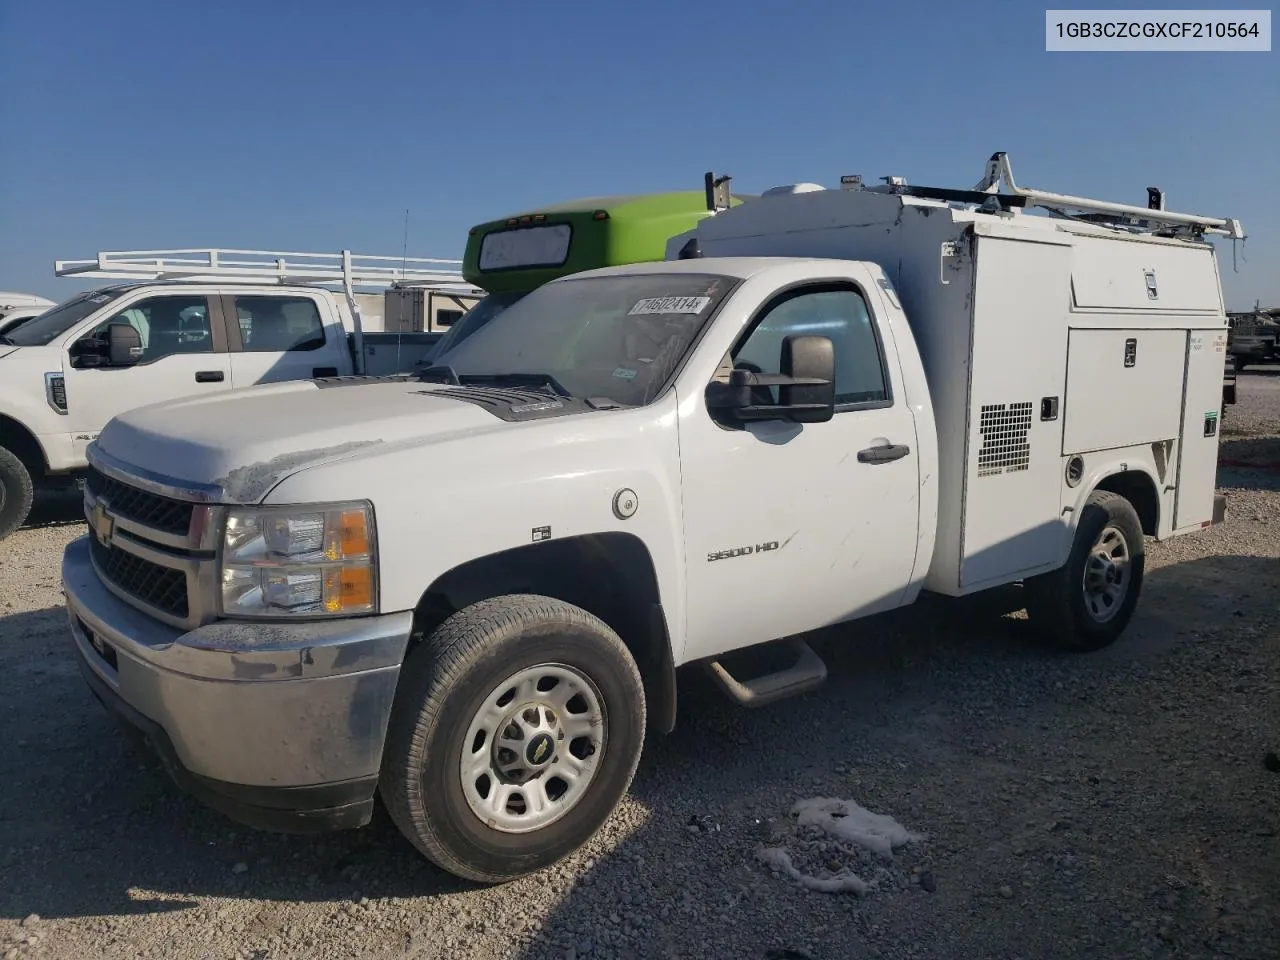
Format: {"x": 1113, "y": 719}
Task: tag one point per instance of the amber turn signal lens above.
{"x": 348, "y": 590}
{"x": 357, "y": 588}
{"x": 353, "y": 534}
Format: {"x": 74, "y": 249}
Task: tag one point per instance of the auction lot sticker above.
{"x": 650, "y": 305}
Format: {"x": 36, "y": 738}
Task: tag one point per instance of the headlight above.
{"x": 299, "y": 561}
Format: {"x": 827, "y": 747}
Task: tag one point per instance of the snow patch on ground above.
{"x": 776, "y": 858}
{"x": 846, "y": 820}
{"x": 839, "y": 836}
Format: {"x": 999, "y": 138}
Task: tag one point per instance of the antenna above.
{"x": 404, "y": 268}
{"x": 404, "y": 250}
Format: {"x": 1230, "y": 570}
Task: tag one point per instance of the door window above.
{"x": 167, "y": 326}
{"x": 838, "y": 313}
{"x": 279, "y": 324}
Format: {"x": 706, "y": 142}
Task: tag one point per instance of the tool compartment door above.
{"x": 1201, "y": 424}
{"x": 1124, "y": 387}
{"x": 1011, "y": 502}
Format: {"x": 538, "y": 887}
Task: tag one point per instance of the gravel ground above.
{"x": 1110, "y": 805}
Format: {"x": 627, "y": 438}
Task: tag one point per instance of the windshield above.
{"x": 618, "y": 338}
{"x": 475, "y": 318}
{"x": 56, "y": 321}
{"x": 11, "y": 321}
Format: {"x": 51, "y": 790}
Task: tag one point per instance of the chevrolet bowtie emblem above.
{"x": 102, "y": 524}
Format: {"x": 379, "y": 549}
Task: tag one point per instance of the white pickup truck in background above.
{"x": 64, "y": 374}
{"x": 468, "y": 589}
{"x": 17, "y": 308}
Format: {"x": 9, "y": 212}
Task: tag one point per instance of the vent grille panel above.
{"x": 1004, "y": 428}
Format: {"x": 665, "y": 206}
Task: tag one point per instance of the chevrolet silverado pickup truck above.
{"x": 468, "y": 588}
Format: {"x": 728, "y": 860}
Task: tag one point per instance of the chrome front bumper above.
{"x": 269, "y": 722}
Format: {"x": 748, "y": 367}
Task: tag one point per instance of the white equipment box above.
{"x": 1044, "y": 339}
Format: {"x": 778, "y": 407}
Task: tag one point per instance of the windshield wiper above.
{"x": 441, "y": 372}
{"x": 444, "y": 373}
{"x": 517, "y": 380}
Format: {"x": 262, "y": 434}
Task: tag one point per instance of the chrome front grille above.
{"x": 149, "y": 509}
{"x": 154, "y": 550}
{"x": 159, "y": 587}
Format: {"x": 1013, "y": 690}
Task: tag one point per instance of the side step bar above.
{"x": 807, "y": 672}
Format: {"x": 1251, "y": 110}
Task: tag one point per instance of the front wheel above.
{"x": 516, "y": 731}
{"x": 16, "y": 493}
{"x": 1086, "y": 604}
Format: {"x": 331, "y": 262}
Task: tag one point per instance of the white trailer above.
{"x": 417, "y": 308}
{"x": 468, "y": 589}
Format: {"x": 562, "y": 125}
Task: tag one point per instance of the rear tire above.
{"x": 1087, "y": 603}
{"x": 516, "y": 731}
{"x": 16, "y": 493}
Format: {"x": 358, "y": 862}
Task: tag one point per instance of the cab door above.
{"x": 184, "y": 353}
{"x": 789, "y": 526}
{"x": 277, "y": 337}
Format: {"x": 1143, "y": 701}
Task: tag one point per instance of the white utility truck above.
{"x": 193, "y": 323}
{"x": 469, "y": 588}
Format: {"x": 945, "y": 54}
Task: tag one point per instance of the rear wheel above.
{"x": 16, "y": 493}
{"x": 516, "y": 731}
{"x": 1086, "y": 604}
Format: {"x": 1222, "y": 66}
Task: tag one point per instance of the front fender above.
{"x": 24, "y": 410}
{"x": 439, "y": 505}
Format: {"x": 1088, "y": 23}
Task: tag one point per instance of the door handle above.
{"x": 209, "y": 376}
{"x": 885, "y": 453}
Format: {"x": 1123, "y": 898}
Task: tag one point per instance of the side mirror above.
{"x": 124, "y": 345}
{"x": 806, "y": 386}
{"x": 810, "y": 362}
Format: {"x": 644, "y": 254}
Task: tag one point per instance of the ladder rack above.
{"x": 1153, "y": 217}
{"x": 986, "y": 196}
{"x": 258, "y": 266}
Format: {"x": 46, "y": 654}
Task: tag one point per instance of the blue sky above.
{"x": 312, "y": 126}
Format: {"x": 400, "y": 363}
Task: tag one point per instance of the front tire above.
{"x": 16, "y": 493}
{"x": 516, "y": 731}
{"x": 1086, "y": 604}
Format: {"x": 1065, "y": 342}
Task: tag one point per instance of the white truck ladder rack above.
{"x": 987, "y": 197}
{"x": 259, "y": 266}
{"x": 1152, "y": 217}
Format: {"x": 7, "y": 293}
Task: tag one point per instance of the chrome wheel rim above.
{"x": 533, "y": 748}
{"x": 1107, "y": 574}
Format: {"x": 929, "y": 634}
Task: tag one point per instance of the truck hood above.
{"x": 245, "y": 442}
{"x": 39, "y": 356}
